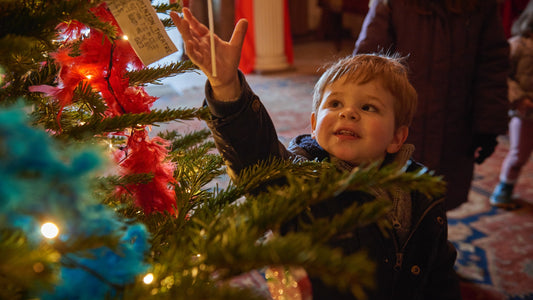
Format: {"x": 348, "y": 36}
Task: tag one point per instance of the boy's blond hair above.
{"x": 363, "y": 68}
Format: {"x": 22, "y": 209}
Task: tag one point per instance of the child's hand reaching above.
{"x": 225, "y": 84}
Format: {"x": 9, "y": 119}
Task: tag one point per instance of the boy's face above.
{"x": 355, "y": 122}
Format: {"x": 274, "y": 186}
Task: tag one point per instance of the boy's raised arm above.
{"x": 226, "y": 85}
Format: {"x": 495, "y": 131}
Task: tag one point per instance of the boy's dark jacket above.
{"x": 417, "y": 264}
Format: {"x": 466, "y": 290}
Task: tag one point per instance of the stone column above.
{"x": 269, "y": 36}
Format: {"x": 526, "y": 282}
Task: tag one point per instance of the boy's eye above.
{"x": 334, "y": 103}
{"x": 369, "y": 107}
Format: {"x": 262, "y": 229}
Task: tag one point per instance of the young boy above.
{"x": 363, "y": 106}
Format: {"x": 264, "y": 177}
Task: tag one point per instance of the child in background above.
{"x": 363, "y": 106}
{"x": 520, "y": 84}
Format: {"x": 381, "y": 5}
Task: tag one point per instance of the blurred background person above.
{"x": 459, "y": 62}
{"x": 520, "y": 95}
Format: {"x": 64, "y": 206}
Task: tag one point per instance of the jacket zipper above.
{"x": 399, "y": 254}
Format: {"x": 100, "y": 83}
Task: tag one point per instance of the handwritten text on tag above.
{"x": 140, "y": 23}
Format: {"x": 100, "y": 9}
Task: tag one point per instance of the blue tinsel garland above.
{"x": 41, "y": 181}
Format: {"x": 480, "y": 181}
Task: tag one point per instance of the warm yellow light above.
{"x": 125, "y": 37}
{"x": 149, "y": 278}
{"x": 89, "y": 77}
{"x": 38, "y": 267}
{"x": 49, "y": 230}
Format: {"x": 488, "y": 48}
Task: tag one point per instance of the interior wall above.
{"x": 306, "y": 17}
{"x": 315, "y": 14}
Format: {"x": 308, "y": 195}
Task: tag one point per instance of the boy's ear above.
{"x": 399, "y": 138}
{"x": 313, "y": 124}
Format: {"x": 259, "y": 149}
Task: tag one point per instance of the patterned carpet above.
{"x": 495, "y": 247}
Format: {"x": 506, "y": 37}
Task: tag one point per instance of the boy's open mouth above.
{"x": 345, "y": 132}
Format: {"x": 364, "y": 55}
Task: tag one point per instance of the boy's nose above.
{"x": 349, "y": 114}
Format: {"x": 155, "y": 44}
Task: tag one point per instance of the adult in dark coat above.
{"x": 458, "y": 58}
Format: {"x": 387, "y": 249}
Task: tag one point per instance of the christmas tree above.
{"x": 94, "y": 208}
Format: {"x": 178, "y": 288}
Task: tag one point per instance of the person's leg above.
{"x": 520, "y": 146}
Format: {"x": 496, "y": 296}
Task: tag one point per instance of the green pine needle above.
{"x": 152, "y": 75}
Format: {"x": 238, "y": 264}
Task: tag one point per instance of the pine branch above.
{"x": 111, "y": 182}
{"x": 234, "y": 250}
{"x": 29, "y": 18}
{"x": 164, "y": 8}
{"x": 119, "y": 123}
{"x": 45, "y": 75}
{"x": 222, "y": 239}
{"x": 104, "y": 188}
{"x": 354, "y": 271}
{"x": 275, "y": 168}
{"x": 167, "y": 22}
{"x": 24, "y": 267}
{"x": 81, "y": 14}
{"x": 301, "y": 190}
{"x": 181, "y": 143}
{"x": 28, "y": 34}
{"x": 86, "y": 95}
{"x": 87, "y": 107}
{"x": 152, "y": 75}
{"x": 38, "y": 19}
{"x": 279, "y": 204}
{"x": 371, "y": 177}
{"x": 355, "y": 216}
{"x": 20, "y": 54}
{"x": 187, "y": 284}
{"x": 193, "y": 176}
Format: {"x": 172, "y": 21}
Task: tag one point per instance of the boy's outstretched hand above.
{"x": 226, "y": 85}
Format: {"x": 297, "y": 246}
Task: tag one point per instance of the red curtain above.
{"x": 510, "y": 10}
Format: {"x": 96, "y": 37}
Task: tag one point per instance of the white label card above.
{"x": 140, "y": 23}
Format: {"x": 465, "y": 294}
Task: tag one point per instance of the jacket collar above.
{"x": 307, "y": 147}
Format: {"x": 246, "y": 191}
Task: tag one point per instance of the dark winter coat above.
{"x": 458, "y": 66}
{"x": 415, "y": 262}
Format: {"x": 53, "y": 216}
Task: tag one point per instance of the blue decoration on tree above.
{"x": 44, "y": 181}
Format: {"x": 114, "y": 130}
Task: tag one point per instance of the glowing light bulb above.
{"x": 125, "y": 37}
{"x": 149, "y": 278}
{"x": 38, "y": 267}
{"x": 49, "y": 230}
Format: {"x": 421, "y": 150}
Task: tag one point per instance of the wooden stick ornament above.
{"x": 212, "y": 37}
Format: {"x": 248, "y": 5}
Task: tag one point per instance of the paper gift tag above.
{"x": 140, "y": 23}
